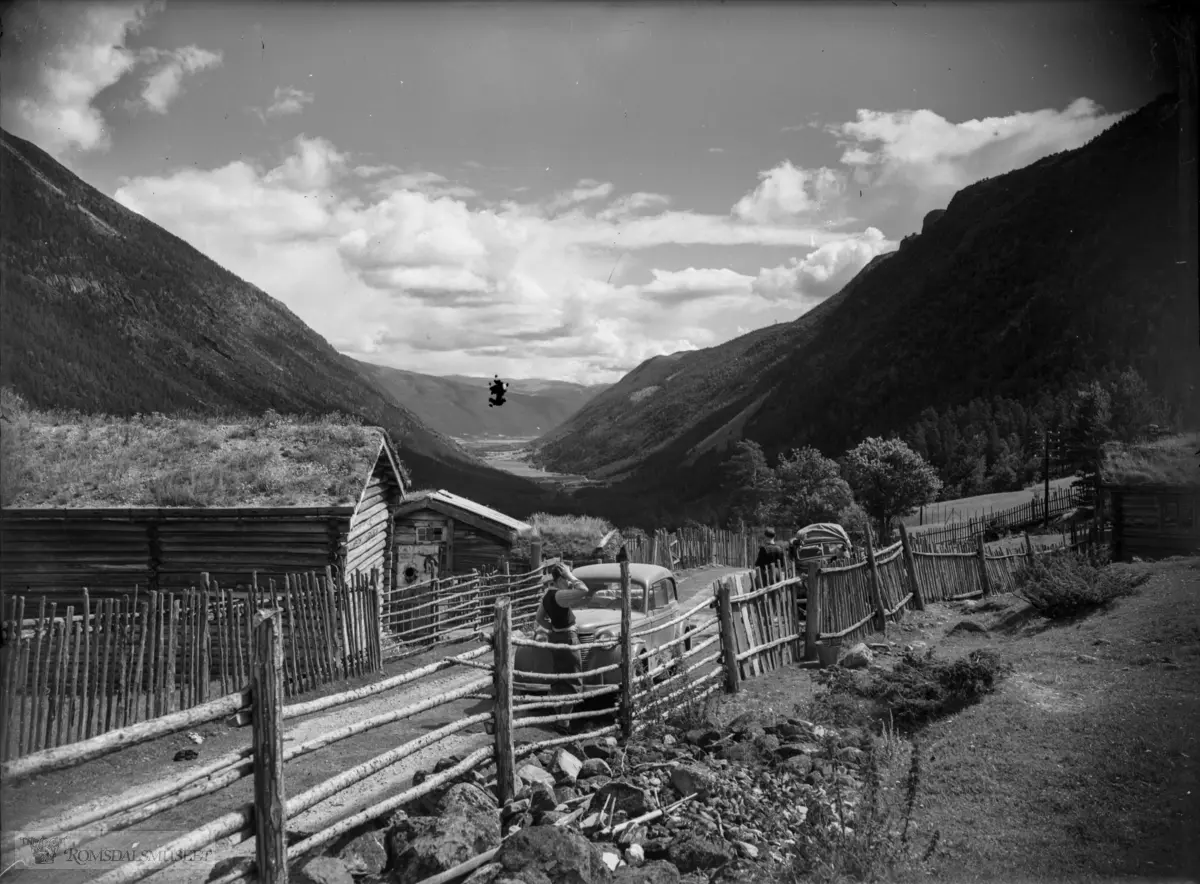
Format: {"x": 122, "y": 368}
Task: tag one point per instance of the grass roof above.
{"x": 1172, "y": 460}
{"x": 67, "y": 459}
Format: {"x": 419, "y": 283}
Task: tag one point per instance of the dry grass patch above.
{"x": 1168, "y": 461}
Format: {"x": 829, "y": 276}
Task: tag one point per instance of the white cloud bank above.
{"x": 412, "y": 268}
{"x": 422, "y": 273}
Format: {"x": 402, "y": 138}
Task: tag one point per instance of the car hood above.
{"x": 593, "y": 620}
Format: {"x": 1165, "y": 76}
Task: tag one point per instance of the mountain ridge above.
{"x": 1025, "y": 281}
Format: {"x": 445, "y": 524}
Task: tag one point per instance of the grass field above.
{"x": 965, "y": 508}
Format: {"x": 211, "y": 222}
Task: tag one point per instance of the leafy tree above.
{"x": 809, "y": 488}
{"x": 754, "y": 482}
{"x": 889, "y": 479}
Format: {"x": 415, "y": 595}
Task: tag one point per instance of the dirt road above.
{"x": 60, "y": 791}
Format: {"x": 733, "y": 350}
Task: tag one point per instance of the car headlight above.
{"x": 605, "y": 635}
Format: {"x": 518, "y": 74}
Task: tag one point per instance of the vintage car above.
{"x": 824, "y": 542}
{"x": 654, "y": 600}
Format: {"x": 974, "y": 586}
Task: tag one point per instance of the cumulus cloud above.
{"x": 785, "y": 192}
{"x": 823, "y": 271}
{"x": 59, "y": 58}
{"x": 164, "y": 85}
{"x": 286, "y": 100}
{"x": 921, "y": 149}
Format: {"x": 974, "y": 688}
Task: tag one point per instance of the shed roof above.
{"x": 75, "y": 461}
{"x": 1170, "y": 461}
{"x": 451, "y": 504}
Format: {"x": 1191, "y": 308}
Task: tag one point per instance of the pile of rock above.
{"x": 709, "y": 804}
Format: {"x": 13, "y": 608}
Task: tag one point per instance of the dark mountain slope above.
{"x": 680, "y": 400}
{"x": 102, "y": 310}
{"x": 1027, "y": 282}
{"x": 458, "y": 405}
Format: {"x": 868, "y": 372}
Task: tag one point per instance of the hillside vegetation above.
{"x": 1027, "y": 285}
{"x": 107, "y": 312}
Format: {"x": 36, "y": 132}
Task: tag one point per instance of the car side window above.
{"x": 660, "y": 594}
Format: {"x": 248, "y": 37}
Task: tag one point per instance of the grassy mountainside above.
{"x": 458, "y": 405}
{"x": 105, "y": 311}
{"x": 1027, "y": 282}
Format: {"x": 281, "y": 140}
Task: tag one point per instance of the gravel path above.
{"x": 60, "y": 791}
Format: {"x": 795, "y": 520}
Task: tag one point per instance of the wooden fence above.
{"x": 755, "y": 629}
{"x": 419, "y": 616}
{"x": 77, "y": 667}
{"x": 1021, "y": 516}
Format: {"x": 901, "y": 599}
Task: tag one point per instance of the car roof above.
{"x": 639, "y": 573}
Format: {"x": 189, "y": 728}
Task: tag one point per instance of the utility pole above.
{"x": 1046, "y": 481}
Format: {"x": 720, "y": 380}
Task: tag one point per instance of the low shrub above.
{"x": 920, "y": 689}
{"x": 1065, "y": 586}
{"x": 567, "y": 536}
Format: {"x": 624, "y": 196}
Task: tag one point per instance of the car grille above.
{"x": 585, "y": 653}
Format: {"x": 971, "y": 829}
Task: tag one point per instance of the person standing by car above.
{"x": 769, "y": 554}
{"x": 554, "y": 614}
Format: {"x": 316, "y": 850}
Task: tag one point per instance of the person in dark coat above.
{"x": 769, "y": 554}
{"x": 555, "y": 615}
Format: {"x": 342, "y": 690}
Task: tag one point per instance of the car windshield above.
{"x": 608, "y": 595}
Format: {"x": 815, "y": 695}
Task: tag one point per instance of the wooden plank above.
{"x": 267, "y": 699}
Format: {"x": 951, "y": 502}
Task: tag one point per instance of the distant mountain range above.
{"x": 1026, "y": 283}
{"x": 105, "y": 311}
{"x": 457, "y": 405}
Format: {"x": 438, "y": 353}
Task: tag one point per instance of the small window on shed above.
{"x": 429, "y": 534}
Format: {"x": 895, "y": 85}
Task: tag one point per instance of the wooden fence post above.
{"x": 267, "y": 698}
{"x": 535, "y": 554}
{"x": 1029, "y": 548}
{"x": 910, "y": 565}
{"x": 984, "y": 580}
{"x": 876, "y": 595}
{"x": 728, "y": 637}
{"x": 502, "y": 675}
{"x": 626, "y": 654}
{"x": 812, "y": 612}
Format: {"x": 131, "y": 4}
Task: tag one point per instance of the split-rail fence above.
{"x": 742, "y": 629}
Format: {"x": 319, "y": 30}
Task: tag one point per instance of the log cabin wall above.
{"x": 370, "y": 539}
{"x": 1155, "y": 522}
{"x": 474, "y": 548}
{"x": 112, "y": 550}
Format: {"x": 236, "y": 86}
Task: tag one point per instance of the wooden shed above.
{"x": 1155, "y": 521}
{"x": 110, "y": 503}
{"x": 1154, "y": 489}
{"x": 452, "y": 533}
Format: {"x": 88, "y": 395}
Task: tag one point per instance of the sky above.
{"x": 557, "y": 190}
